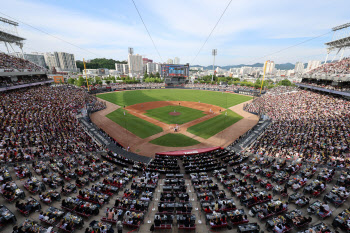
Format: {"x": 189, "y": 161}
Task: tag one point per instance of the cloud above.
{"x": 249, "y": 29}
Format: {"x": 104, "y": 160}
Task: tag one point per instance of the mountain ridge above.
{"x": 284, "y": 66}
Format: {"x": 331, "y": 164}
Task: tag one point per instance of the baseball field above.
{"x": 173, "y": 118}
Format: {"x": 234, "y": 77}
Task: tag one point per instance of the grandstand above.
{"x": 61, "y": 173}
{"x": 332, "y": 77}
{"x": 17, "y": 72}
{"x": 215, "y": 189}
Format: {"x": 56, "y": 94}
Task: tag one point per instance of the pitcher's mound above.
{"x": 174, "y": 113}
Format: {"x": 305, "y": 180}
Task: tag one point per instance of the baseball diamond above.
{"x": 147, "y": 121}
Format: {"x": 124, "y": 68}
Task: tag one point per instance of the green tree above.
{"x": 70, "y": 81}
{"x": 108, "y": 81}
{"x": 157, "y": 75}
{"x": 145, "y": 76}
{"x": 98, "y": 80}
{"x": 99, "y": 63}
{"x": 285, "y": 82}
{"x": 80, "y": 82}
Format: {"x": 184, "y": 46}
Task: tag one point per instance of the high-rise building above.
{"x": 125, "y": 69}
{"x": 135, "y": 64}
{"x": 151, "y": 68}
{"x": 51, "y": 61}
{"x": 170, "y": 61}
{"x": 270, "y": 67}
{"x": 299, "y": 68}
{"x": 158, "y": 68}
{"x": 245, "y": 70}
{"x": 36, "y": 58}
{"x": 313, "y": 65}
{"x": 177, "y": 60}
{"x": 61, "y": 61}
{"x": 119, "y": 67}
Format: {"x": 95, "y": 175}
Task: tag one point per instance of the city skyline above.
{"x": 244, "y": 35}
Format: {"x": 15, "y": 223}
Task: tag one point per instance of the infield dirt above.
{"x": 143, "y": 147}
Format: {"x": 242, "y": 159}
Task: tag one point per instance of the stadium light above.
{"x": 214, "y": 52}
{"x": 341, "y": 27}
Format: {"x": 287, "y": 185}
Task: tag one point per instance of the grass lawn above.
{"x": 135, "y": 125}
{"x": 174, "y": 140}
{"x": 209, "y": 128}
{"x": 162, "y": 114}
{"x": 220, "y": 99}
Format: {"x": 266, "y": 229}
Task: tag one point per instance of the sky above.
{"x": 249, "y": 32}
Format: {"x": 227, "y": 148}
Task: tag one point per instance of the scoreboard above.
{"x": 169, "y": 70}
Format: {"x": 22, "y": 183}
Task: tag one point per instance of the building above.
{"x": 146, "y": 60}
{"x": 176, "y": 60}
{"x": 158, "y": 68}
{"x": 313, "y": 65}
{"x": 299, "y": 68}
{"x": 119, "y": 67}
{"x": 51, "y": 61}
{"x": 270, "y": 67}
{"x": 125, "y": 69}
{"x": 61, "y": 61}
{"x": 36, "y": 58}
{"x": 219, "y": 70}
{"x": 151, "y": 68}
{"x": 170, "y": 61}
{"x": 135, "y": 64}
{"x": 245, "y": 70}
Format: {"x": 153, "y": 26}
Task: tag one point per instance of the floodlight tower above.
{"x": 214, "y": 52}
{"x": 9, "y": 34}
{"x": 131, "y": 50}
{"x": 340, "y": 40}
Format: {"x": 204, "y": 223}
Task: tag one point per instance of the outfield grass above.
{"x": 209, "y": 128}
{"x": 135, "y": 125}
{"x": 224, "y": 100}
{"x": 174, "y": 140}
{"x": 162, "y": 114}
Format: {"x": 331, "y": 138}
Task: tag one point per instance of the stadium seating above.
{"x": 42, "y": 145}
{"x": 10, "y": 63}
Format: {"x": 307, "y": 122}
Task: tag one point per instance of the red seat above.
{"x": 241, "y": 222}
{"x": 84, "y": 215}
{"x": 25, "y": 213}
{"x": 163, "y": 226}
{"x": 60, "y": 227}
{"x": 104, "y": 219}
{"x": 219, "y": 226}
{"x": 187, "y": 228}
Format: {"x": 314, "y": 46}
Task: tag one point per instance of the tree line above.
{"x": 98, "y": 63}
{"x": 236, "y": 81}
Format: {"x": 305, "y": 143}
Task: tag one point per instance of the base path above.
{"x": 139, "y": 110}
{"x": 143, "y": 147}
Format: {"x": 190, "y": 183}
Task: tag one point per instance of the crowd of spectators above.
{"x": 124, "y": 85}
{"x": 345, "y": 88}
{"x": 41, "y": 122}
{"x": 10, "y": 63}
{"x": 305, "y": 124}
{"x": 8, "y": 82}
{"x": 338, "y": 67}
{"x": 221, "y": 87}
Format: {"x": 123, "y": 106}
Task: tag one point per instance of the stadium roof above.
{"x": 10, "y": 38}
{"x": 341, "y": 27}
{"x": 341, "y": 43}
